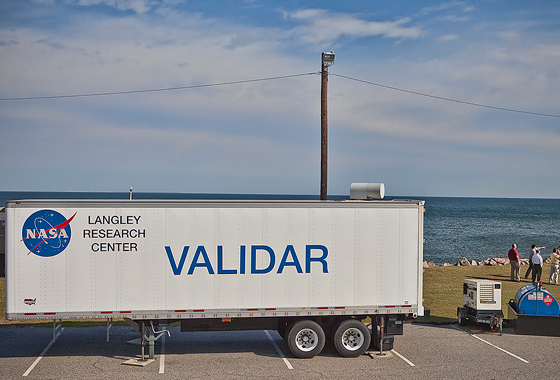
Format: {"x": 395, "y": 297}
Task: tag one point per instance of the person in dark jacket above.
{"x": 513, "y": 257}
{"x": 531, "y": 253}
{"x": 537, "y": 265}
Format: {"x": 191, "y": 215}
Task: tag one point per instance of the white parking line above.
{"x": 493, "y": 345}
{"x": 162, "y": 354}
{"x": 43, "y": 353}
{"x": 278, "y": 350}
{"x": 403, "y": 358}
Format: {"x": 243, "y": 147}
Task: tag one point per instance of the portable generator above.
{"x": 482, "y": 303}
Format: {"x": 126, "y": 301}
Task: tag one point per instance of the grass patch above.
{"x": 443, "y": 293}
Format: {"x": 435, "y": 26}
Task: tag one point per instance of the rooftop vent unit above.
{"x": 364, "y": 191}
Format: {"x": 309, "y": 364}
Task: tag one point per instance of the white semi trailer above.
{"x": 312, "y": 270}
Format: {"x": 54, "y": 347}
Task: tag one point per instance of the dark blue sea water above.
{"x": 479, "y": 228}
{"x": 476, "y": 228}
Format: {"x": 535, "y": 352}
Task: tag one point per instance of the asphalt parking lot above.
{"x": 423, "y": 352}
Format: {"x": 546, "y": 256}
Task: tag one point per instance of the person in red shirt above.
{"x": 513, "y": 256}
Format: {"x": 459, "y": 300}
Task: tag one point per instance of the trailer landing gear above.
{"x": 148, "y": 335}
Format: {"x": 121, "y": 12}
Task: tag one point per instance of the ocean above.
{"x": 454, "y": 227}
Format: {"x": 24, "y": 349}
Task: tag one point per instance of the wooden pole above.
{"x": 324, "y": 130}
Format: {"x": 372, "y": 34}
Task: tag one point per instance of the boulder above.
{"x": 463, "y": 262}
{"x": 428, "y": 264}
{"x": 501, "y": 261}
{"x": 489, "y": 261}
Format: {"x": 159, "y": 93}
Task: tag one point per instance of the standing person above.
{"x": 531, "y": 253}
{"x": 513, "y": 257}
{"x": 537, "y": 265}
{"x": 554, "y": 260}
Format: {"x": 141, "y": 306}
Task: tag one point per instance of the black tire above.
{"x": 351, "y": 338}
{"x": 306, "y": 339}
{"x": 461, "y": 319}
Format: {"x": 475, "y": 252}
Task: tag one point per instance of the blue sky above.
{"x": 264, "y": 136}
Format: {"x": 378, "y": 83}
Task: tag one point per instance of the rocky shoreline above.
{"x": 496, "y": 261}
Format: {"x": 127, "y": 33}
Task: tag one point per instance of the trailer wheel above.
{"x": 352, "y": 338}
{"x": 306, "y": 339}
{"x": 462, "y": 319}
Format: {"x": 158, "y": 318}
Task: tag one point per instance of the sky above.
{"x": 432, "y": 98}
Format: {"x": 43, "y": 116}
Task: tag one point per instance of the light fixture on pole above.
{"x": 327, "y": 59}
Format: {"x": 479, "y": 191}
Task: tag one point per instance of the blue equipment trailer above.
{"x": 534, "y": 311}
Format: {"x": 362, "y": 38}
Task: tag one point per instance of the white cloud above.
{"x": 138, "y": 6}
{"x": 449, "y": 37}
{"x": 509, "y": 35}
{"x": 461, "y": 5}
{"x": 453, "y": 18}
{"x": 321, "y": 26}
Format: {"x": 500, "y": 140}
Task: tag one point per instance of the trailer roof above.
{"x": 174, "y": 203}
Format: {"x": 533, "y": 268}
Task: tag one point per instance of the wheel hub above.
{"x": 307, "y": 340}
{"x": 352, "y": 339}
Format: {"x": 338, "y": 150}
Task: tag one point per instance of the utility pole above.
{"x": 327, "y": 59}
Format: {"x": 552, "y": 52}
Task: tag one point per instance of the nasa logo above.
{"x": 46, "y": 233}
